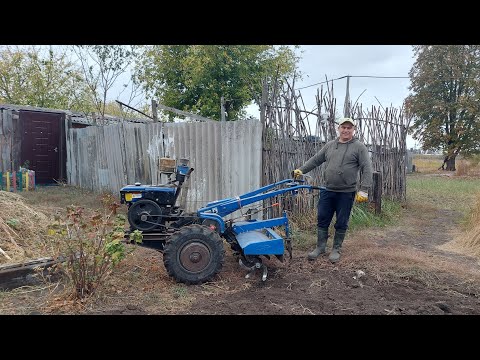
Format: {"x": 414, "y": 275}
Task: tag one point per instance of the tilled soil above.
{"x": 392, "y": 271}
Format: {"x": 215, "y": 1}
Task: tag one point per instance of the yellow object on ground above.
{"x": 361, "y": 196}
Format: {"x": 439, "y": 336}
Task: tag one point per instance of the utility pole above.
{"x": 222, "y": 108}
{"x": 346, "y": 105}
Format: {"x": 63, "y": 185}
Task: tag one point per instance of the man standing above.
{"x": 344, "y": 157}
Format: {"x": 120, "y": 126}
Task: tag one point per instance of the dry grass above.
{"x": 22, "y": 229}
{"x": 429, "y": 164}
{"x": 57, "y": 198}
{"x": 466, "y": 167}
{"x": 26, "y": 300}
{"x": 468, "y": 241}
{"x": 304, "y": 230}
{"x": 138, "y": 282}
{"x": 141, "y": 280}
{"x": 25, "y": 216}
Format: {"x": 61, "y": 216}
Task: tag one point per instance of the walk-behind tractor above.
{"x": 191, "y": 243}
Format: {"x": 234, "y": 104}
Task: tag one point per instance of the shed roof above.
{"x": 77, "y": 117}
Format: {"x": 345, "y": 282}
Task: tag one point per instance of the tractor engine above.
{"x": 152, "y": 208}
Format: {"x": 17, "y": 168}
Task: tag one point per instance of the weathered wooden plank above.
{"x": 7, "y": 122}
{"x": 377, "y": 191}
{"x": 114, "y": 158}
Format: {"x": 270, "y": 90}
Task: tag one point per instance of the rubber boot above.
{"x": 321, "y": 244}
{"x": 337, "y": 245}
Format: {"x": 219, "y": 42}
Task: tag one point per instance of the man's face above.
{"x": 346, "y": 131}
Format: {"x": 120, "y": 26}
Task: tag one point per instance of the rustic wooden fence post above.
{"x": 154, "y": 110}
{"x": 377, "y": 191}
{"x": 222, "y": 109}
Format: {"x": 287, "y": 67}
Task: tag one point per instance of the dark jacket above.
{"x": 342, "y": 163}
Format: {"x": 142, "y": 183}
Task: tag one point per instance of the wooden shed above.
{"x": 35, "y": 138}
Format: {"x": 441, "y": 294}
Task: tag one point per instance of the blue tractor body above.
{"x": 192, "y": 243}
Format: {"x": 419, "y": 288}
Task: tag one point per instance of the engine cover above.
{"x": 161, "y": 195}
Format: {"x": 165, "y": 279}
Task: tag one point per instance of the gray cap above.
{"x": 344, "y": 120}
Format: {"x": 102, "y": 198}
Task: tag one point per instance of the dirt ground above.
{"x": 403, "y": 269}
{"x": 302, "y": 287}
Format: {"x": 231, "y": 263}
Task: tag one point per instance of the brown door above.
{"x": 43, "y": 145}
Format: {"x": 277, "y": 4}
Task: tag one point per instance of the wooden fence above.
{"x": 292, "y": 134}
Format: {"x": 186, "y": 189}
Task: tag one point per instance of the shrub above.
{"x": 89, "y": 246}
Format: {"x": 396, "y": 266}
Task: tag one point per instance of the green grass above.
{"x": 304, "y": 227}
{"x": 364, "y": 216}
{"x": 452, "y": 193}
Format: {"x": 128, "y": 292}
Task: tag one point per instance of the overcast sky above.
{"x": 335, "y": 61}
{"x": 321, "y": 62}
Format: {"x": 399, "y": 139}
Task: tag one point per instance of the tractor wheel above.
{"x": 140, "y": 215}
{"x": 194, "y": 254}
{"x": 212, "y": 224}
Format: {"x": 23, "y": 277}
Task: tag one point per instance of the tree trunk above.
{"x": 451, "y": 163}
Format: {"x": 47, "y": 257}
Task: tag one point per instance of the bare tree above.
{"x": 102, "y": 65}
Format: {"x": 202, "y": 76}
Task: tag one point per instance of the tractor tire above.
{"x": 194, "y": 254}
{"x": 144, "y": 207}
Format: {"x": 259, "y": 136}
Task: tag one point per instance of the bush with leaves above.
{"x": 89, "y": 246}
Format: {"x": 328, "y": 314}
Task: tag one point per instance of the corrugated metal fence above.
{"x": 226, "y": 156}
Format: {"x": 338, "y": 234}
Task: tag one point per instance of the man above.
{"x": 344, "y": 157}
